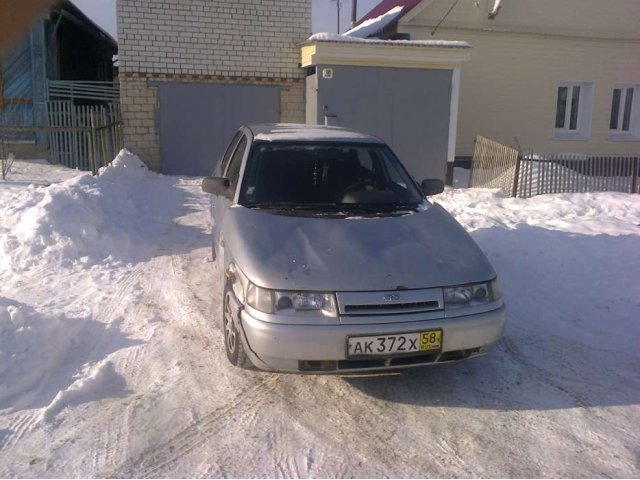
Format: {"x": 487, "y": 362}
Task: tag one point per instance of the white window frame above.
{"x": 618, "y": 134}
{"x": 585, "y": 108}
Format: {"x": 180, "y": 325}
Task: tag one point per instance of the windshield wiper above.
{"x": 385, "y": 207}
{"x": 294, "y": 206}
{"x": 336, "y": 207}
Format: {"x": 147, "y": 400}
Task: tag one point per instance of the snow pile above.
{"x": 31, "y": 346}
{"x": 98, "y": 380}
{"x": 578, "y": 213}
{"x": 373, "y": 26}
{"x": 87, "y": 220}
{"x": 68, "y": 256}
{"x": 38, "y": 350}
{"x": 566, "y": 264}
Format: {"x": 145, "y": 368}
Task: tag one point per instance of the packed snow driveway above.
{"x": 112, "y": 362}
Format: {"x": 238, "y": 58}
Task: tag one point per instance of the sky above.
{"x": 323, "y": 14}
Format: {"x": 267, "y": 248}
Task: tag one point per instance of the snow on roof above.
{"x": 296, "y": 132}
{"x": 334, "y": 37}
{"x": 374, "y": 26}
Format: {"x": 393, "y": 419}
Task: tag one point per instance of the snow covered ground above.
{"x": 112, "y": 364}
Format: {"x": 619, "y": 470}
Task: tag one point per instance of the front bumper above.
{"x": 322, "y": 348}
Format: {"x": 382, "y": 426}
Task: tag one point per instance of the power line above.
{"x": 443, "y": 18}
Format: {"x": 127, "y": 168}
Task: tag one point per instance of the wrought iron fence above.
{"x": 495, "y": 165}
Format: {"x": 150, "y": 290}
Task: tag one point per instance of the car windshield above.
{"x": 326, "y": 175}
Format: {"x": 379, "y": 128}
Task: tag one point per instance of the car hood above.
{"x": 423, "y": 249}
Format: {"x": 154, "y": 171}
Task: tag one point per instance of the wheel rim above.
{"x": 229, "y": 330}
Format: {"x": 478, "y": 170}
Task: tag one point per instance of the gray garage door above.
{"x": 196, "y": 121}
{"x": 406, "y": 107}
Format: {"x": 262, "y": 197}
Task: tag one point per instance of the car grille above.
{"x": 385, "y": 362}
{"x": 390, "y": 302}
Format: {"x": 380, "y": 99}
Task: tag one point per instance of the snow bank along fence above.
{"x": 84, "y": 136}
{"x": 495, "y": 165}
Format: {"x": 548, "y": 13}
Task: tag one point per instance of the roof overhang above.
{"x": 384, "y": 53}
{"x": 74, "y": 14}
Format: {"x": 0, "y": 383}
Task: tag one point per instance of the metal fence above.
{"x": 495, "y": 165}
{"x": 86, "y": 137}
{"x": 557, "y": 173}
{"x": 81, "y": 89}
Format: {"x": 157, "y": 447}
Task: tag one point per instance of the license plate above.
{"x": 396, "y": 344}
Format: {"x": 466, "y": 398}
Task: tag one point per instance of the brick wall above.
{"x": 138, "y": 101}
{"x": 222, "y": 41}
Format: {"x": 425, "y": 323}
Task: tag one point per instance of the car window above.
{"x": 392, "y": 171}
{"x": 233, "y": 172}
{"x": 230, "y": 149}
{"x": 297, "y": 173}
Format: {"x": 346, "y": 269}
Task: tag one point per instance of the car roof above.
{"x": 300, "y": 132}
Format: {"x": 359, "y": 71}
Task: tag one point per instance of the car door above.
{"x": 216, "y": 205}
{"x": 221, "y": 203}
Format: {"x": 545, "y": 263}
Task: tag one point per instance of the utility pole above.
{"x": 354, "y": 12}
{"x": 338, "y": 13}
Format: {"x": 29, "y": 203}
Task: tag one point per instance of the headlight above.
{"x": 291, "y": 303}
{"x": 471, "y": 295}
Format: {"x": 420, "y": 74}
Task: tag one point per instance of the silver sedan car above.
{"x": 334, "y": 261}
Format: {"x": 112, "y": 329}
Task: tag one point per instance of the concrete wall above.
{"x": 509, "y": 87}
{"x": 227, "y": 41}
{"x": 407, "y": 107}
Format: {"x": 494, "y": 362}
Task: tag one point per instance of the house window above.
{"x": 567, "y": 107}
{"x": 624, "y": 123}
{"x": 573, "y": 111}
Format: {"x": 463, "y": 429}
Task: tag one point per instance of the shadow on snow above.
{"x": 48, "y": 352}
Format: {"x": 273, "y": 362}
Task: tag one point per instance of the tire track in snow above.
{"x": 553, "y": 380}
{"x": 185, "y": 311}
{"x": 107, "y": 312}
{"x": 18, "y": 428}
{"x": 111, "y": 436}
{"x": 513, "y": 351}
{"x": 160, "y": 459}
{"x": 243, "y": 413}
{"x": 287, "y": 461}
{"x": 114, "y": 438}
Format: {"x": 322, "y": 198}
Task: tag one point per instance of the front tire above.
{"x": 232, "y": 338}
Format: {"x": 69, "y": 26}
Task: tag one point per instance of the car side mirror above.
{"x": 217, "y": 186}
{"x": 432, "y": 186}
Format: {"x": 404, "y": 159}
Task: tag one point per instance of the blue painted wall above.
{"x": 24, "y": 79}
